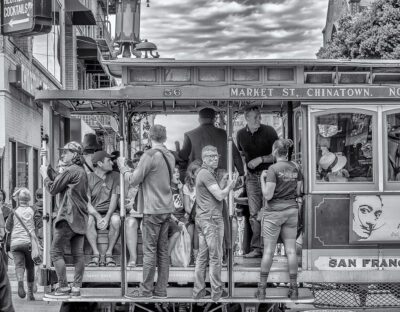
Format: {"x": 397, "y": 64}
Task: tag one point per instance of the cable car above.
{"x": 343, "y": 117}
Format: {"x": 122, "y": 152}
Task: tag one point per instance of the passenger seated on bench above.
{"x": 103, "y": 194}
{"x": 134, "y": 216}
{"x": 178, "y": 219}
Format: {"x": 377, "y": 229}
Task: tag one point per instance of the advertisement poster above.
{"x": 374, "y": 219}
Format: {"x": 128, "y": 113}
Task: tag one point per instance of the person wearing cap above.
{"x": 103, "y": 193}
{"x": 154, "y": 174}
{"x": 90, "y": 145}
{"x": 255, "y": 142}
{"x": 71, "y": 222}
{"x": 21, "y": 241}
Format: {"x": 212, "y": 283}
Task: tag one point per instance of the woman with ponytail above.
{"x": 281, "y": 186}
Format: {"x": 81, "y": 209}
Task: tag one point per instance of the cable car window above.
{"x": 344, "y": 148}
{"x": 393, "y": 146}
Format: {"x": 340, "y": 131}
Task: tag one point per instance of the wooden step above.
{"x": 184, "y": 294}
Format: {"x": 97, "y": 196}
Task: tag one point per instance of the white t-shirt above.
{"x": 191, "y": 194}
{"x": 19, "y": 235}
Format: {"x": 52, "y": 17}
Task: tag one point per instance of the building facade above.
{"x": 68, "y": 57}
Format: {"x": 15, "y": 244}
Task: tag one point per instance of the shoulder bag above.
{"x": 36, "y": 248}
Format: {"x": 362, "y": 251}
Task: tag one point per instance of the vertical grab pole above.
{"x": 230, "y": 199}
{"x": 46, "y": 213}
{"x": 124, "y": 283}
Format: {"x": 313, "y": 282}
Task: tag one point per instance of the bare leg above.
{"x": 91, "y": 235}
{"x": 268, "y": 256}
{"x": 131, "y": 231}
{"x": 115, "y": 225}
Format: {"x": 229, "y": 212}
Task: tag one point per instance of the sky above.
{"x": 234, "y": 29}
{"x": 231, "y": 29}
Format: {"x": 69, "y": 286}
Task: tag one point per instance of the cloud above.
{"x": 232, "y": 29}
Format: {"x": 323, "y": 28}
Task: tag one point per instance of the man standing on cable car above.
{"x": 255, "y": 144}
{"x": 208, "y": 134}
{"x": 154, "y": 174}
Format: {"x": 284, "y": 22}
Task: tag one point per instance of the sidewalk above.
{"x": 22, "y": 305}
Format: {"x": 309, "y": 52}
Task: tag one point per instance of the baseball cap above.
{"x": 99, "y": 156}
{"x": 73, "y": 147}
{"x": 207, "y": 113}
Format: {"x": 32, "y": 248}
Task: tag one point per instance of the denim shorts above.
{"x": 274, "y": 221}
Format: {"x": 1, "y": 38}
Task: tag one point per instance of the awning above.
{"x": 86, "y": 47}
{"x": 81, "y": 15}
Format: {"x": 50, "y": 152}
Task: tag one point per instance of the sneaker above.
{"x": 75, "y": 292}
{"x": 203, "y": 294}
{"x": 254, "y": 254}
{"x": 138, "y": 293}
{"x": 222, "y": 295}
{"x": 60, "y": 292}
{"x": 160, "y": 296}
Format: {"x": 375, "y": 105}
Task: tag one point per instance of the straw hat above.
{"x": 332, "y": 162}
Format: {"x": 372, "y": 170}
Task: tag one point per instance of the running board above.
{"x": 184, "y": 294}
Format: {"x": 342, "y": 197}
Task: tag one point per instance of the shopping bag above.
{"x": 36, "y": 250}
{"x": 180, "y": 255}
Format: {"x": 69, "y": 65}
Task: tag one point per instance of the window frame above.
{"x": 388, "y": 185}
{"x": 331, "y": 187}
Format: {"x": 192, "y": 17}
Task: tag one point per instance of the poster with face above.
{"x": 374, "y": 218}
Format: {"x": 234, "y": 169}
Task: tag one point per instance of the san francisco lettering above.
{"x": 364, "y": 263}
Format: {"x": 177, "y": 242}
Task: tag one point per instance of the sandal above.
{"x": 94, "y": 262}
{"x": 131, "y": 264}
{"x": 110, "y": 262}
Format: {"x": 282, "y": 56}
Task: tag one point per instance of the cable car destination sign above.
{"x": 314, "y": 92}
{"x": 272, "y": 92}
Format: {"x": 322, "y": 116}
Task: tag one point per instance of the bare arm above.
{"x": 221, "y": 194}
{"x": 91, "y": 209}
{"x": 113, "y": 205}
{"x": 268, "y": 189}
{"x": 299, "y": 189}
{"x": 186, "y": 204}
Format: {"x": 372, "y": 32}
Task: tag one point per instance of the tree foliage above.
{"x": 372, "y": 34}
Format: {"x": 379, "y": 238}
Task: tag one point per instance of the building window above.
{"x": 46, "y": 48}
{"x": 22, "y": 166}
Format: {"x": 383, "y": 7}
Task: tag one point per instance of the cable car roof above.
{"x": 167, "y": 85}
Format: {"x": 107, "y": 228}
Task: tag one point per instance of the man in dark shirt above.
{"x": 207, "y": 134}
{"x": 255, "y": 144}
{"x": 103, "y": 196}
{"x": 71, "y": 221}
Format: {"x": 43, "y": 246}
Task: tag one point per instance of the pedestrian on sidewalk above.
{"x": 18, "y": 224}
{"x": 71, "y": 222}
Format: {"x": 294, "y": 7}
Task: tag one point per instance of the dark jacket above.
{"x": 72, "y": 185}
{"x": 208, "y": 134}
